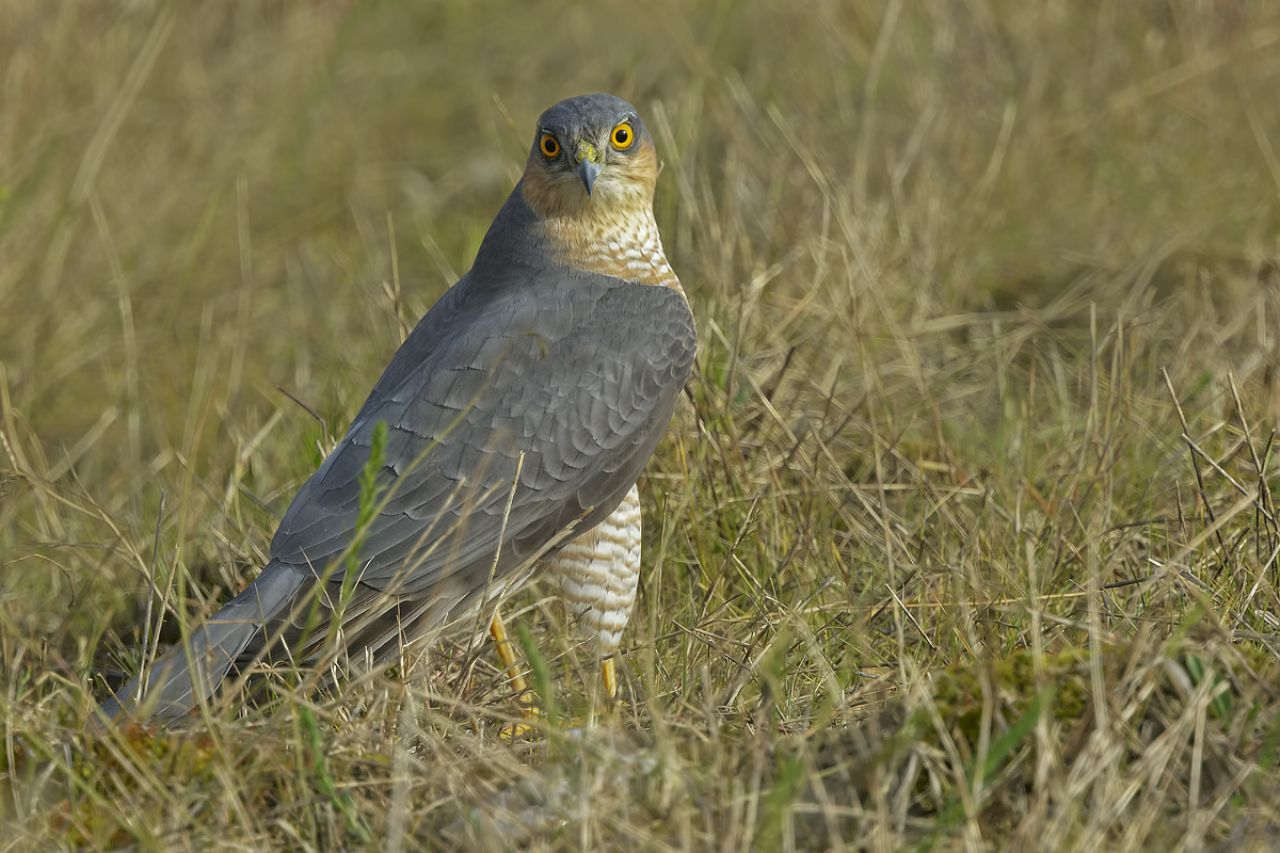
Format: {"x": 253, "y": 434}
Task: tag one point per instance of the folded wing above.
{"x": 514, "y": 419}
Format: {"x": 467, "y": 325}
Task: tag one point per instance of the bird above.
{"x": 502, "y": 442}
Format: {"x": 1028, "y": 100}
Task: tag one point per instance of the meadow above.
{"x": 963, "y": 537}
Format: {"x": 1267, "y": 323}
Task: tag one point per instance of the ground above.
{"x": 964, "y": 537}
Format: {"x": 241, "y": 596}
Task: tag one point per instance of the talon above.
{"x": 511, "y": 732}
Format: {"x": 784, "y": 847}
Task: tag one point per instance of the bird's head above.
{"x": 590, "y": 154}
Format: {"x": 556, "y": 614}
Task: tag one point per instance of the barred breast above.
{"x": 598, "y": 573}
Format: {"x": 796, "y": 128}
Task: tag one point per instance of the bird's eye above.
{"x": 549, "y": 146}
{"x": 622, "y": 136}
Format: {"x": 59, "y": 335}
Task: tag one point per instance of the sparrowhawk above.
{"x": 518, "y": 415}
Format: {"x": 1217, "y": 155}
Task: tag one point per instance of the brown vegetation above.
{"x": 966, "y": 537}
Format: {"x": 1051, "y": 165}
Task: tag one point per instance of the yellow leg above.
{"x": 507, "y": 655}
{"x": 609, "y": 675}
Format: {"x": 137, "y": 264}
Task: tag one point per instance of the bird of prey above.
{"x": 511, "y": 427}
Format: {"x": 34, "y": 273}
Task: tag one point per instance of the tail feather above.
{"x": 190, "y": 672}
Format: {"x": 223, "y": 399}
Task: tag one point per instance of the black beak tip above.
{"x": 588, "y": 172}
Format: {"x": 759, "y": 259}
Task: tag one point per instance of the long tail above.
{"x": 177, "y": 681}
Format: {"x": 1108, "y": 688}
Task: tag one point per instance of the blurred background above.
{"x": 939, "y": 253}
{"x": 251, "y": 169}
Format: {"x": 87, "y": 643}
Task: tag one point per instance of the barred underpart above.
{"x": 598, "y": 573}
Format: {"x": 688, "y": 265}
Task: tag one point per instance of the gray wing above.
{"x": 568, "y": 378}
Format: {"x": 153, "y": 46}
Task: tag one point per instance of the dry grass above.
{"x": 965, "y": 539}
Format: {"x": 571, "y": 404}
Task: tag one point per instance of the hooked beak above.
{"x": 588, "y": 164}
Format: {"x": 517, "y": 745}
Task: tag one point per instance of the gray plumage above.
{"x": 527, "y": 365}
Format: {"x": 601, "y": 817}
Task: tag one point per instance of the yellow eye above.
{"x": 622, "y": 136}
{"x": 549, "y": 146}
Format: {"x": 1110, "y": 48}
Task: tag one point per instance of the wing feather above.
{"x": 577, "y": 373}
